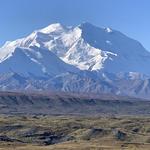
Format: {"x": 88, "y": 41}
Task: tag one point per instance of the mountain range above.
{"x": 81, "y": 59}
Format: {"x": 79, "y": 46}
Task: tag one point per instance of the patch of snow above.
{"x": 108, "y": 42}
{"x": 109, "y": 30}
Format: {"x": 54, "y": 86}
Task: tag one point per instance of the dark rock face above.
{"x": 47, "y": 138}
{"x": 10, "y": 127}
{"x": 120, "y": 135}
{"x": 4, "y": 138}
{"x": 97, "y": 131}
{"x": 135, "y": 130}
{"x": 50, "y": 138}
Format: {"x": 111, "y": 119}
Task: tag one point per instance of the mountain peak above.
{"x": 52, "y": 28}
{"x": 85, "y": 25}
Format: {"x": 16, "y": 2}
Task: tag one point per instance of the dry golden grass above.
{"x": 97, "y": 133}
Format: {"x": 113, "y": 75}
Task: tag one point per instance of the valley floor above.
{"x": 74, "y": 133}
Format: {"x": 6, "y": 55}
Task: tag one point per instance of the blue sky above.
{"x": 18, "y": 18}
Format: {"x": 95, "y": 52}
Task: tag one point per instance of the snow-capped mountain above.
{"x": 87, "y": 47}
{"x": 84, "y": 58}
